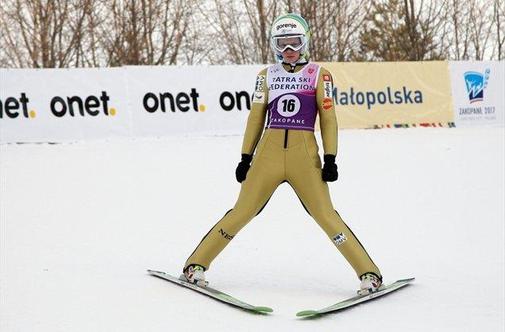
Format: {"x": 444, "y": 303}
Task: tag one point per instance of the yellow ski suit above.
{"x": 287, "y": 154}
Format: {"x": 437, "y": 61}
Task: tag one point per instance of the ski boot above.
{"x": 370, "y": 283}
{"x": 195, "y": 274}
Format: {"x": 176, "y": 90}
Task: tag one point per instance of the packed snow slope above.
{"x": 80, "y": 223}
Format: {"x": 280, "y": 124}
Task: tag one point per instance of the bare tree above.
{"x": 397, "y": 30}
{"x": 481, "y": 21}
{"x": 93, "y": 33}
{"x": 334, "y": 26}
{"x": 348, "y": 19}
{"x": 423, "y": 22}
{"x": 43, "y": 34}
{"x": 90, "y": 52}
{"x": 470, "y": 29}
{"x": 460, "y": 45}
{"x": 238, "y": 26}
{"x": 144, "y": 32}
{"x": 499, "y": 14}
{"x": 239, "y": 30}
{"x": 197, "y": 43}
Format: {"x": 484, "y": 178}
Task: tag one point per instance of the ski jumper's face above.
{"x": 289, "y": 55}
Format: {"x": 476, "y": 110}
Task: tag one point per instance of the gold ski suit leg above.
{"x": 284, "y": 156}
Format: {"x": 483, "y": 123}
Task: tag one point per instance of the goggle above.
{"x": 283, "y": 43}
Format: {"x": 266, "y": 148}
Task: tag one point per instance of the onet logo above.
{"x": 229, "y": 101}
{"x": 76, "y": 105}
{"x": 14, "y": 107}
{"x": 167, "y": 101}
{"x": 184, "y": 102}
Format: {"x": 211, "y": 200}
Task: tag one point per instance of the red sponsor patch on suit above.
{"x": 327, "y": 103}
{"x": 326, "y": 77}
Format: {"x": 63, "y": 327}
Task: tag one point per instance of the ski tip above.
{"x": 155, "y": 273}
{"x": 307, "y": 313}
{"x": 263, "y": 309}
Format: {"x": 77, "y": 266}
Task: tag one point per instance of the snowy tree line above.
{"x": 99, "y": 33}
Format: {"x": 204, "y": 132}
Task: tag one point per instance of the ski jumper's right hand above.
{"x": 243, "y": 167}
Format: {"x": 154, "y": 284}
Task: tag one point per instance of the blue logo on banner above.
{"x": 475, "y": 84}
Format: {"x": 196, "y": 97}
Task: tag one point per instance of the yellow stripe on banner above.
{"x": 392, "y": 94}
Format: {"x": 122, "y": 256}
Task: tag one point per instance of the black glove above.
{"x": 330, "y": 172}
{"x": 243, "y": 167}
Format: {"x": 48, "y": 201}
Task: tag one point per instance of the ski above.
{"x": 211, "y": 292}
{"x": 383, "y": 290}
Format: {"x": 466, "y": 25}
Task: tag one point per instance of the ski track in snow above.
{"x": 80, "y": 223}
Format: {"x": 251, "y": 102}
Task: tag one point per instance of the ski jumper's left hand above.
{"x": 330, "y": 170}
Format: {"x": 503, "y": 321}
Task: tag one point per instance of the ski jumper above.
{"x": 288, "y": 98}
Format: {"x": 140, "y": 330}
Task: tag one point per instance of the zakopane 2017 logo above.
{"x": 476, "y": 83}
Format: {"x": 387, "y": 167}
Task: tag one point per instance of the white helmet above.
{"x": 290, "y": 31}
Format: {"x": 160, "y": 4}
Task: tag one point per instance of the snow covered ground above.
{"x": 80, "y": 223}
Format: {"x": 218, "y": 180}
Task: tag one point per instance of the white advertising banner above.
{"x": 196, "y": 99}
{"x": 54, "y": 105}
{"x": 58, "y": 105}
{"x": 478, "y": 92}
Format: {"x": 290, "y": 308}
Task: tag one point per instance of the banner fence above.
{"x": 58, "y": 105}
